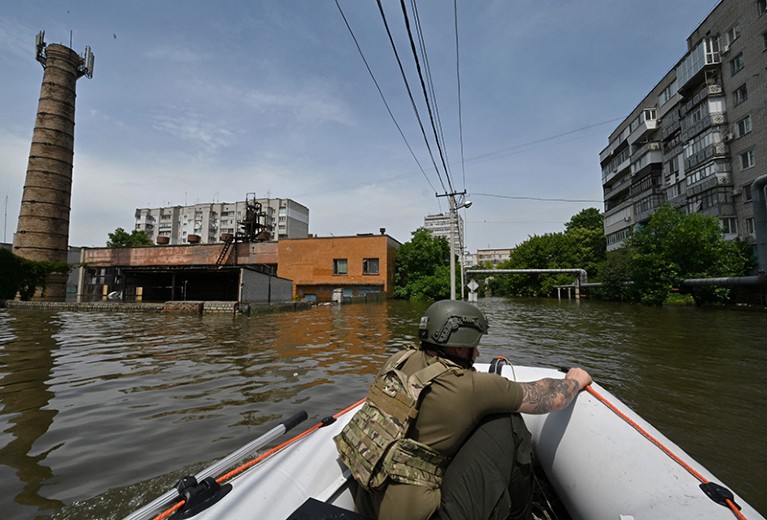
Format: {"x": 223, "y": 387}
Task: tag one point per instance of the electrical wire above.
{"x": 380, "y": 92}
{"x": 458, "y": 81}
{"x": 439, "y": 133}
{"x": 424, "y": 91}
{"x": 533, "y": 198}
{"x": 410, "y": 92}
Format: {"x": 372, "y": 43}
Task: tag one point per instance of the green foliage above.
{"x": 23, "y": 276}
{"x": 589, "y": 218}
{"x": 614, "y": 274}
{"x": 674, "y": 246}
{"x": 121, "y": 238}
{"x": 422, "y": 268}
{"x": 581, "y": 246}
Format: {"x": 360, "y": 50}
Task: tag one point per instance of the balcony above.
{"x": 644, "y": 129}
{"x": 702, "y": 125}
{"x": 715, "y": 150}
{"x": 617, "y": 188}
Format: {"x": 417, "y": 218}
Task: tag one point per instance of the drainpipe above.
{"x": 759, "y": 203}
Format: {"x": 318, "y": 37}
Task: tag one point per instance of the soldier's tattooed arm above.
{"x": 548, "y": 395}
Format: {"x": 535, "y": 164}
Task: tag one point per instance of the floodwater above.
{"x": 102, "y": 412}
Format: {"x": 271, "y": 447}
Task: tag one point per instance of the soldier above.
{"x": 435, "y": 439}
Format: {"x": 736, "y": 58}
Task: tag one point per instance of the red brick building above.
{"x": 263, "y": 272}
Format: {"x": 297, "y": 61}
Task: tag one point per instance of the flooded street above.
{"x": 101, "y": 412}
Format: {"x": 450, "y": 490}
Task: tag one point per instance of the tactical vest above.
{"x": 374, "y": 446}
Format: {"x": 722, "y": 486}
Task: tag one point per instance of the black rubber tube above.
{"x": 294, "y": 420}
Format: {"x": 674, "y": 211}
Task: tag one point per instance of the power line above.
{"x": 409, "y": 92}
{"x": 383, "y": 98}
{"x": 458, "y": 81}
{"x": 533, "y": 198}
{"x": 423, "y": 90}
{"x": 440, "y": 138}
{"x": 513, "y": 149}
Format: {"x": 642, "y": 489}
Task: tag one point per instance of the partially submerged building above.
{"x": 251, "y": 272}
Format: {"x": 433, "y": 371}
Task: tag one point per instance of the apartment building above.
{"x": 207, "y": 223}
{"x": 492, "y": 256}
{"x": 439, "y": 226}
{"x": 698, "y": 140}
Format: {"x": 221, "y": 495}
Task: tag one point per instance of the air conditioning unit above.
{"x": 735, "y": 192}
{"x": 725, "y": 50}
{"x": 728, "y": 137}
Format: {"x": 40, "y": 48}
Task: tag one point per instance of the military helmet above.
{"x": 451, "y": 323}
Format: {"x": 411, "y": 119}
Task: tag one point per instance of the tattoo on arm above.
{"x": 548, "y": 395}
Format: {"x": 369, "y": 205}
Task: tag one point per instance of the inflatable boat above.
{"x": 602, "y": 460}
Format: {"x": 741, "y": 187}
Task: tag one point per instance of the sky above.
{"x": 197, "y": 102}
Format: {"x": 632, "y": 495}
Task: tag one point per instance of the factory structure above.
{"x": 43, "y": 227}
{"x": 257, "y": 250}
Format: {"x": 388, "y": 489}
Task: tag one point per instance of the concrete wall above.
{"x": 200, "y": 254}
{"x": 262, "y": 288}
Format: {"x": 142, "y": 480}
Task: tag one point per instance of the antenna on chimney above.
{"x": 40, "y": 47}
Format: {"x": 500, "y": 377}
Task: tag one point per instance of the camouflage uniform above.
{"x": 452, "y": 407}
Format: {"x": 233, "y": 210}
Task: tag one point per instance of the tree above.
{"x": 24, "y": 277}
{"x": 422, "y": 267}
{"x": 121, "y": 238}
{"x": 581, "y": 246}
{"x": 589, "y": 218}
{"x": 674, "y": 246}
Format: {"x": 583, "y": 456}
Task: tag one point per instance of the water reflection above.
{"x": 102, "y": 412}
{"x": 26, "y": 360}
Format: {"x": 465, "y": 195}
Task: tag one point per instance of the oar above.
{"x": 225, "y": 463}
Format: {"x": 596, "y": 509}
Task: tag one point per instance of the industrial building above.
{"x": 207, "y": 223}
{"x": 698, "y": 140}
{"x": 43, "y": 226}
{"x": 313, "y": 269}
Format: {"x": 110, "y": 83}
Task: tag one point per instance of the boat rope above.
{"x": 236, "y": 471}
{"x": 717, "y": 493}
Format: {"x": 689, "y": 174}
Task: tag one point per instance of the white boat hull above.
{"x": 600, "y": 466}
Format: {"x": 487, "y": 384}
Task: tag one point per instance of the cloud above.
{"x": 194, "y": 128}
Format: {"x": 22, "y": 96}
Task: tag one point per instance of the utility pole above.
{"x": 454, "y": 207}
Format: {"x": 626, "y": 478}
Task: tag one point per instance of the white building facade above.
{"x": 281, "y": 218}
{"x": 439, "y": 226}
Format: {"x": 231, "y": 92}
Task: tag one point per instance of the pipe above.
{"x": 759, "y": 204}
{"x": 732, "y": 280}
{"x": 580, "y": 273}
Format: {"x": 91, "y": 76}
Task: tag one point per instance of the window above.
{"x": 736, "y": 64}
{"x": 732, "y": 35}
{"x": 744, "y": 126}
{"x": 761, "y": 6}
{"x": 746, "y": 192}
{"x": 750, "y": 226}
{"x": 740, "y": 94}
{"x": 747, "y": 159}
{"x": 729, "y": 225}
{"x": 370, "y": 266}
{"x": 340, "y": 266}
